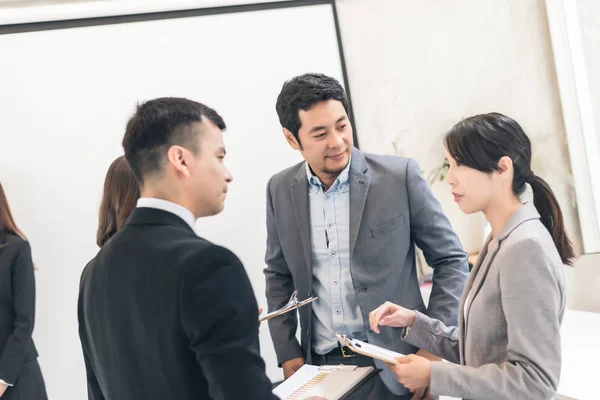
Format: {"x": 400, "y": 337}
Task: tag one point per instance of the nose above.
{"x": 450, "y": 177}
{"x": 336, "y": 140}
{"x": 228, "y": 176}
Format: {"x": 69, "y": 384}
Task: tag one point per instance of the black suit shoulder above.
{"x": 13, "y": 244}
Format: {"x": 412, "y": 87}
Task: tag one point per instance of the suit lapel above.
{"x": 299, "y": 191}
{"x": 359, "y": 188}
{"x": 468, "y": 288}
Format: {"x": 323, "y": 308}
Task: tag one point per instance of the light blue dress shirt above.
{"x": 337, "y": 309}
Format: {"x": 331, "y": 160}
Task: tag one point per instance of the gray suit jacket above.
{"x": 391, "y": 209}
{"x": 510, "y": 339}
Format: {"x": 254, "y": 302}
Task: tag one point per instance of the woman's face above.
{"x": 473, "y": 190}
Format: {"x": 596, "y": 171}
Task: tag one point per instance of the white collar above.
{"x": 173, "y": 208}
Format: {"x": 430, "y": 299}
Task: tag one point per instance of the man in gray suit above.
{"x": 342, "y": 226}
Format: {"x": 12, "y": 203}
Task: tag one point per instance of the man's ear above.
{"x": 291, "y": 139}
{"x": 178, "y": 158}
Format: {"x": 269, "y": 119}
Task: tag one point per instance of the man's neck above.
{"x": 327, "y": 180}
{"x": 167, "y": 194}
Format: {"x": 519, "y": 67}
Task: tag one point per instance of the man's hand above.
{"x": 291, "y": 366}
{"x": 3, "y": 387}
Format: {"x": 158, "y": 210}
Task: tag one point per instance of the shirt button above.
{"x": 335, "y": 282}
{"x": 337, "y": 311}
{"x": 328, "y": 197}
{"x": 332, "y": 254}
{"x": 329, "y": 225}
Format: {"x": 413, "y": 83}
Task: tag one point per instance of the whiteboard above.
{"x": 65, "y": 97}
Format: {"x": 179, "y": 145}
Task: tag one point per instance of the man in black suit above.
{"x": 163, "y": 313}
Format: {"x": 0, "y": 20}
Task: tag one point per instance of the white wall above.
{"x": 65, "y": 98}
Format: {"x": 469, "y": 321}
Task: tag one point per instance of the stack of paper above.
{"x": 332, "y": 382}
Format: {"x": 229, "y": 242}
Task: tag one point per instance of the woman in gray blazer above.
{"x": 507, "y": 343}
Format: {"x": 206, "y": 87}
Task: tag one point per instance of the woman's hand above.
{"x": 412, "y": 371}
{"x": 390, "y": 314}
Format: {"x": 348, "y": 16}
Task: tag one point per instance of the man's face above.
{"x": 325, "y": 138}
{"x": 208, "y": 175}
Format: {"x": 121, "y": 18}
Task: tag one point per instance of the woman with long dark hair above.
{"x": 20, "y": 374}
{"x": 121, "y": 192}
{"x": 507, "y": 343}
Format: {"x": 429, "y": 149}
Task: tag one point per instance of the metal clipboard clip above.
{"x": 292, "y": 304}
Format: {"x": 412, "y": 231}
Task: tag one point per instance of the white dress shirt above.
{"x": 160, "y": 204}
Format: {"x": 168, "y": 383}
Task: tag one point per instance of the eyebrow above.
{"x": 318, "y": 128}
{"x": 222, "y": 149}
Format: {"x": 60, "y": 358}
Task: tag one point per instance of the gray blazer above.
{"x": 508, "y": 346}
{"x": 391, "y": 210}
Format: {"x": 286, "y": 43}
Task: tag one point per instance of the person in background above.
{"x": 163, "y": 313}
{"x": 119, "y": 199}
{"x": 20, "y": 374}
{"x": 507, "y": 342}
{"x": 342, "y": 226}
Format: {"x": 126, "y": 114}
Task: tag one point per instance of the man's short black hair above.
{"x": 303, "y": 92}
{"x": 159, "y": 124}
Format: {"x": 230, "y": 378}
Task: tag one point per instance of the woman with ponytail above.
{"x": 507, "y": 343}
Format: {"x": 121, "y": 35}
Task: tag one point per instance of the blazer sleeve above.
{"x": 220, "y": 317}
{"x": 432, "y": 232}
{"x": 532, "y": 302}
{"x": 433, "y": 336}
{"x": 94, "y": 390}
{"x": 279, "y": 288}
{"x": 23, "y": 282}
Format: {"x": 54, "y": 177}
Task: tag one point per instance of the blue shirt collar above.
{"x": 341, "y": 182}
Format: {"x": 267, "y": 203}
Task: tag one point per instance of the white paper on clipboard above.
{"x": 368, "y": 349}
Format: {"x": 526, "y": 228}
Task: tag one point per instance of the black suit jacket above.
{"x": 17, "y": 307}
{"x": 165, "y": 314}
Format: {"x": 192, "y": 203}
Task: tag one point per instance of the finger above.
{"x": 379, "y": 313}
{"x": 404, "y": 360}
{"x": 387, "y": 320}
{"x": 373, "y": 320}
{"x": 260, "y": 310}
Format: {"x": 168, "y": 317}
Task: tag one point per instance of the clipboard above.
{"x": 368, "y": 349}
{"x": 333, "y": 382}
{"x": 292, "y": 304}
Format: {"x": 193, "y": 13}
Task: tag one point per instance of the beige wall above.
{"x": 416, "y": 67}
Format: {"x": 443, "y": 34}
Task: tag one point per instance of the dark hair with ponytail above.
{"x": 479, "y": 142}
